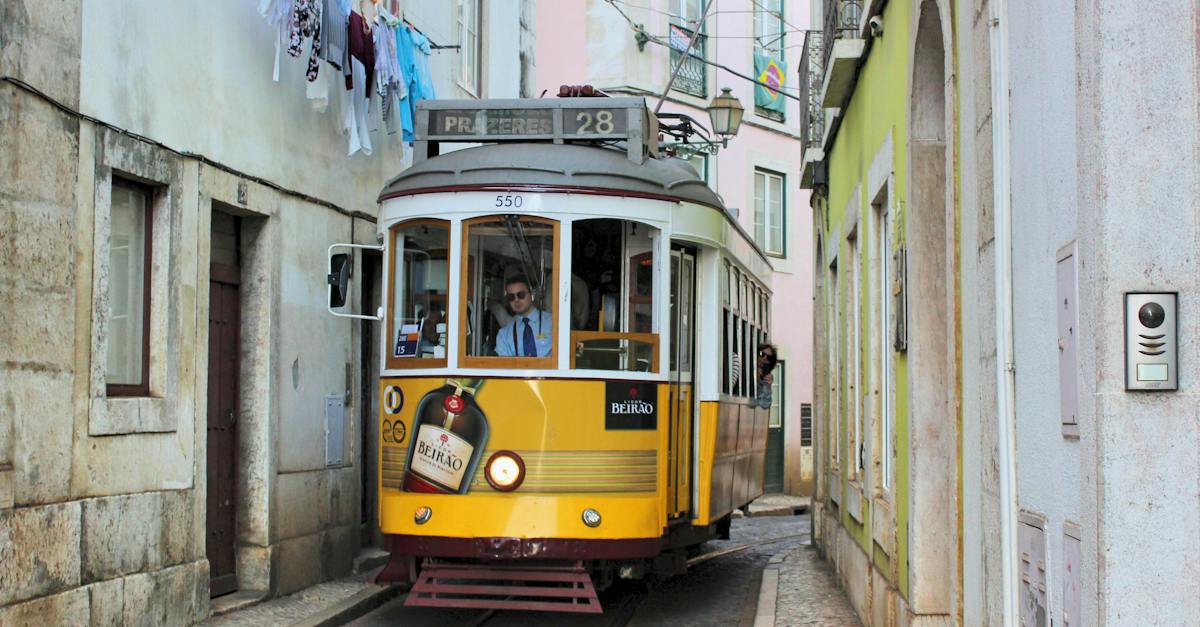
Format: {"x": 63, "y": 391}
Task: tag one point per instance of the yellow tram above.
{"x": 570, "y": 323}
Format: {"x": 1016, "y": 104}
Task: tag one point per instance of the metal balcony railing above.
{"x": 812, "y": 73}
{"x": 841, "y": 22}
{"x": 693, "y": 75}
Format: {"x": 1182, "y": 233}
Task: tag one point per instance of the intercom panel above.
{"x": 1151, "y": 341}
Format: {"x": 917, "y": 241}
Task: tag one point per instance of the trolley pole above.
{"x": 684, "y": 57}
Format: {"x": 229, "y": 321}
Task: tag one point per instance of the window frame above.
{"x": 549, "y": 362}
{"x": 652, "y": 338}
{"x": 405, "y": 363}
{"x": 776, "y": 414}
{"x": 473, "y": 84}
{"x": 764, "y": 241}
{"x": 885, "y": 363}
{"x": 700, "y": 48}
{"x": 759, "y": 34}
{"x": 141, "y": 389}
{"x": 854, "y": 360}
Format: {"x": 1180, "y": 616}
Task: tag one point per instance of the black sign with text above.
{"x": 630, "y": 405}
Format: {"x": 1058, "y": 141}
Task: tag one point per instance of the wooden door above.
{"x": 224, "y": 320}
{"x": 773, "y": 479}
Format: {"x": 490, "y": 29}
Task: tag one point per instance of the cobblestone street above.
{"x": 728, "y": 589}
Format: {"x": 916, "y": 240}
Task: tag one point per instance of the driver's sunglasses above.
{"x": 765, "y": 354}
{"x": 511, "y": 296}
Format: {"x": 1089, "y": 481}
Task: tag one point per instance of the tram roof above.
{"x": 553, "y": 167}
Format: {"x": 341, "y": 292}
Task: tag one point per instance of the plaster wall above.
{"x": 1138, "y": 132}
{"x": 1055, "y": 478}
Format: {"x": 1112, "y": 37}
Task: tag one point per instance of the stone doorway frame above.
{"x": 258, "y": 207}
{"x": 934, "y": 319}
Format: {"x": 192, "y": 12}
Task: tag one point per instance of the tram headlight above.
{"x": 422, "y": 515}
{"x": 591, "y": 517}
{"x": 505, "y": 470}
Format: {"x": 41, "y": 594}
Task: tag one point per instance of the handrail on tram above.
{"x": 579, "y": 337}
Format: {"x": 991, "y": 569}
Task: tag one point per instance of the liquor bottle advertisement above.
{"x": 450, "y": 432}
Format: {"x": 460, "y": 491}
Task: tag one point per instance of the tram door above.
{"x": 682, "y": 401}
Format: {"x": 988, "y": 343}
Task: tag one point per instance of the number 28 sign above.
{"x": 594, "y": 121}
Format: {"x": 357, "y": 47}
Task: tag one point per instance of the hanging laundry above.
{"x": 335, "y": 19}
{"x": 404, "y": 49}
{"x": 306, "y": 23}
{"x": 278, "y": 14}
{"x": 389, "y": 79}
{"x": 361, "y": 46}
{"x": 413, "y": 50}
{"x": 356, "y": 100}
{"x": 421, "y": 56}
{"x": 317, "y": 93}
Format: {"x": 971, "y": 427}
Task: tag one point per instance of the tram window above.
{"x": 508, "y": 280}
{"x": 748, "y": 361}
{"x": 420, "y": 285}
{"x": 726, "y": 294}
{"x": 612, "y": 295}
{"x": 727, "y": 355}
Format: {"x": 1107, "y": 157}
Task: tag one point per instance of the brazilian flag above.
{"x": 772, "y": 72}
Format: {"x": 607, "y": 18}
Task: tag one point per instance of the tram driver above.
{"x": 529, "y": 333}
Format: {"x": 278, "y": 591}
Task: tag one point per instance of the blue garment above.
{"x": 421, "y": 56}
{"x": 513, "y": 342}
{"x": 413, "y": 50}
{"x": 404, "y": 51}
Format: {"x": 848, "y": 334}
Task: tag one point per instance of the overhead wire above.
{"x": 658, "y": 40}
{"x": 763, "y": 45}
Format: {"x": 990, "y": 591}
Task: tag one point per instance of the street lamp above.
{"x": 725, "y": 113}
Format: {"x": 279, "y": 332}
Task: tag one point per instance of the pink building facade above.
{"x": 623, "y": 48}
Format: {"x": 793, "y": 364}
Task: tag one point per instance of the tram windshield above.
{"x": 509, "y": 278}
{"x": 612, "y": 296}
{"x": 421, "y": 284}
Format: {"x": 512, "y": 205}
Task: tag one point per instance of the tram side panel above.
{"x": 733, "y": 438}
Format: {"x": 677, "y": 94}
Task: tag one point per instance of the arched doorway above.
{"x": 932, "y": 349}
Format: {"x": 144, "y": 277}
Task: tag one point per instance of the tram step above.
{"x": 549, "y": 588}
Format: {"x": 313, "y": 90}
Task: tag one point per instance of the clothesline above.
{"x": 432, "y": 44}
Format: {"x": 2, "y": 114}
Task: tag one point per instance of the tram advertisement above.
{"x": 439, "y": 433}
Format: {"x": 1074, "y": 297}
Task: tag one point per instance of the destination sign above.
{"x": 537, "y": 120}
{"x": 491, "y": 122}
{"x": 500, "y": 123}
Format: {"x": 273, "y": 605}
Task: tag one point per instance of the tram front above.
{"x": 526, "y": 442}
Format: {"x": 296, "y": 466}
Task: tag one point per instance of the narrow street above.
{"x": 723, "y": 590}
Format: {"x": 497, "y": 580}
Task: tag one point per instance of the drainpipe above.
{"x": 1006, "y": 416}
